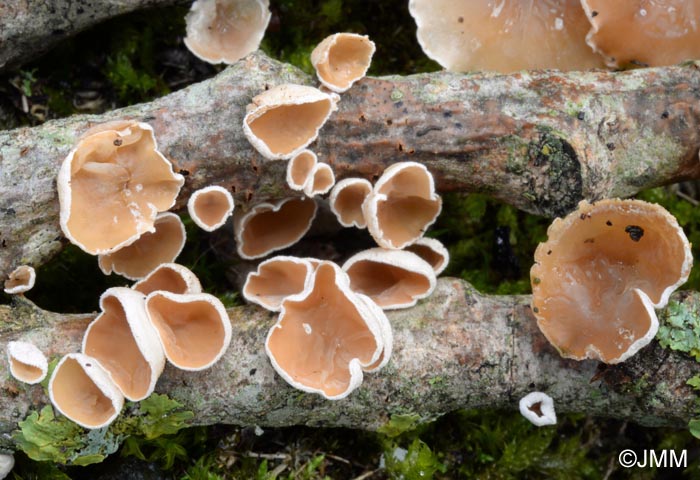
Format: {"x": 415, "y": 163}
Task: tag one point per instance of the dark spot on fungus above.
{"x": 536, "y": 310}
{"x": 589, "y": 240}
{"x": 536, "y": 408}
{"x": 583, "y": 216}
{"x": 635, "y": 232}
{"x": 536, "y": 281}
{"x": 460, "y": 19}
{"x": 608, "y": 223}
{"x": 549, "y": 252}
{"x": 594, "y": 14}
{"x": 88, "y": 365}
{"x": 183, "y": 172}
{"x": 118, "y": 142}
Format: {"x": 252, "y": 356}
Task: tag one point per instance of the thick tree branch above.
{"x": 458, "y": 349}
{"x": 29, "y": 28}
{"x": 539, "y": 140}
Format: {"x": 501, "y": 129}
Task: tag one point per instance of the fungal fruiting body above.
{"x": 346, "y": 201}
{"x": 151, "y": 249}
{"x": 125, "y": 343}
{"x": 300, "y": 168}
{"x": 505, "y": 35}
{"x": 276, "y": 279}
{"x": 600, "y": 274}
{"x": 269, "y": 227}
{"x": 7, "y": 463}
{"x": 169, "y": 277}
{"x": 402, "y": 205}
{"x": 112, "y": 185}
{"x": 327, "y": 335}
{"x": 320, "y": 181}
{"x": 538, "y": 407}
{"x": 391, "y": 278}
{"x": 20, "y": 280}
{"x": 342, "y": 59}
{"x": 27, "y": 363}
{"x": 224, "y": 31}
{"x": 82, "y": 391}
{"x": 210, "y": 207}
{"x": 284, "y": 120}
{"x": 432, "y": 251}
{"x": 644, "y": 32}
{"x": 194, "y": 329}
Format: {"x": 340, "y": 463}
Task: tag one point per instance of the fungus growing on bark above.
{"x": 7, "y": 463}
{"x": 268, "y": 227}
{"x": 124, "y": 342}
{"x": 402, "y": 205}
{"x": 27, "y": 363}
{"x": 112, "y": 185}
{"x": 224, "y": 31}
{"x": 20, "y": 280}
{"x": 169, "y": 277}
{"x": 82, "y": 391}
{"x": 300, "y": 168}
{"x": 464, "y": 35}
{"x": 342, "y": 59}
{"x": 194, "y": 329}
{"x": 284, "y": 120}
{"x": 326, "y": 335}
{"x": 277, "y": 279}
{"x": 600, "y": 274}
{"x": 346, "y": 201}
{"x": 320, "y": 181}
{"x": 391, "y": 278}
{"x": 151, "y": 249}
{"x": 210, "y": 206}
{"x": 538, "y": 407}
{"x": 643, "y": 32}
{"x": 432, "y": 251}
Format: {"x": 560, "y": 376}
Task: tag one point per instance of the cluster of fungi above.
{"x": 596, "y": 281}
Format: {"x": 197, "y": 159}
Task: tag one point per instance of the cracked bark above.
{"x": 29, "y": 28}
{"x": 540, "y": 140}
{"x": 457, "y": 349}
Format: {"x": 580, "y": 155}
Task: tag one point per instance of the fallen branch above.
{"x": 459, "y": 349}
{"x": 540, "y": 141}
{"x": 30, "y": 28}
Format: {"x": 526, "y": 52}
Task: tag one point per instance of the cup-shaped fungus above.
{"x": 82, "y": 391}
{"x": 27, "y": 363}
{"x": 326, "y": 335}
{"x": 169, "y": 277}
{"x": 643, "y": 32}
{"x": 432, "y": 251}
{"x": 391, "y": 278}
{"x": 268, "y": 227}
{"x": 210, "y": 206}
{"x": 224, "y": 31}
{"x": 346, "y": 201}
{"x": 464, "y": 35}
{"x": 299, "y": 169}
{"x": 402, "y": 205}
{"x": 20, "y": 280}
{"x": 151, "y": 249}
{"x": 284, "y": 120}
{"x": 342, "y": 59}
{"x": 124, "y": 342}
{"x": 277, "y": 279}
{"x": 600, "y": 274}
{"x": 538, "y": 407}
{"x": 320, "y": 181}
{"x": 194, "y": 328}
{"x": 112, "y": 185}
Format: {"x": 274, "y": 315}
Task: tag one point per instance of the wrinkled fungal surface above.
{"x": 644, "y": 32}
{"x": 277, "y": 279}
{"x": 601, "y": 273}
{"x": 504, "y": 35}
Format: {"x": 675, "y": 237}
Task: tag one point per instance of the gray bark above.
{"x": 457, "y": 349}
{"x": 540, "y": 140}
{"x": 29, "y": 28}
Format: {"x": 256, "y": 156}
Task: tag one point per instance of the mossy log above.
{"x": 30, "y": 28}
{"x": 540, "y": 140}
{"x": 457, "y": 349}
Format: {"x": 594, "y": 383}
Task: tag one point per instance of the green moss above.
{"x": 400, "y": 423}
{"x": 680, "y": 328}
